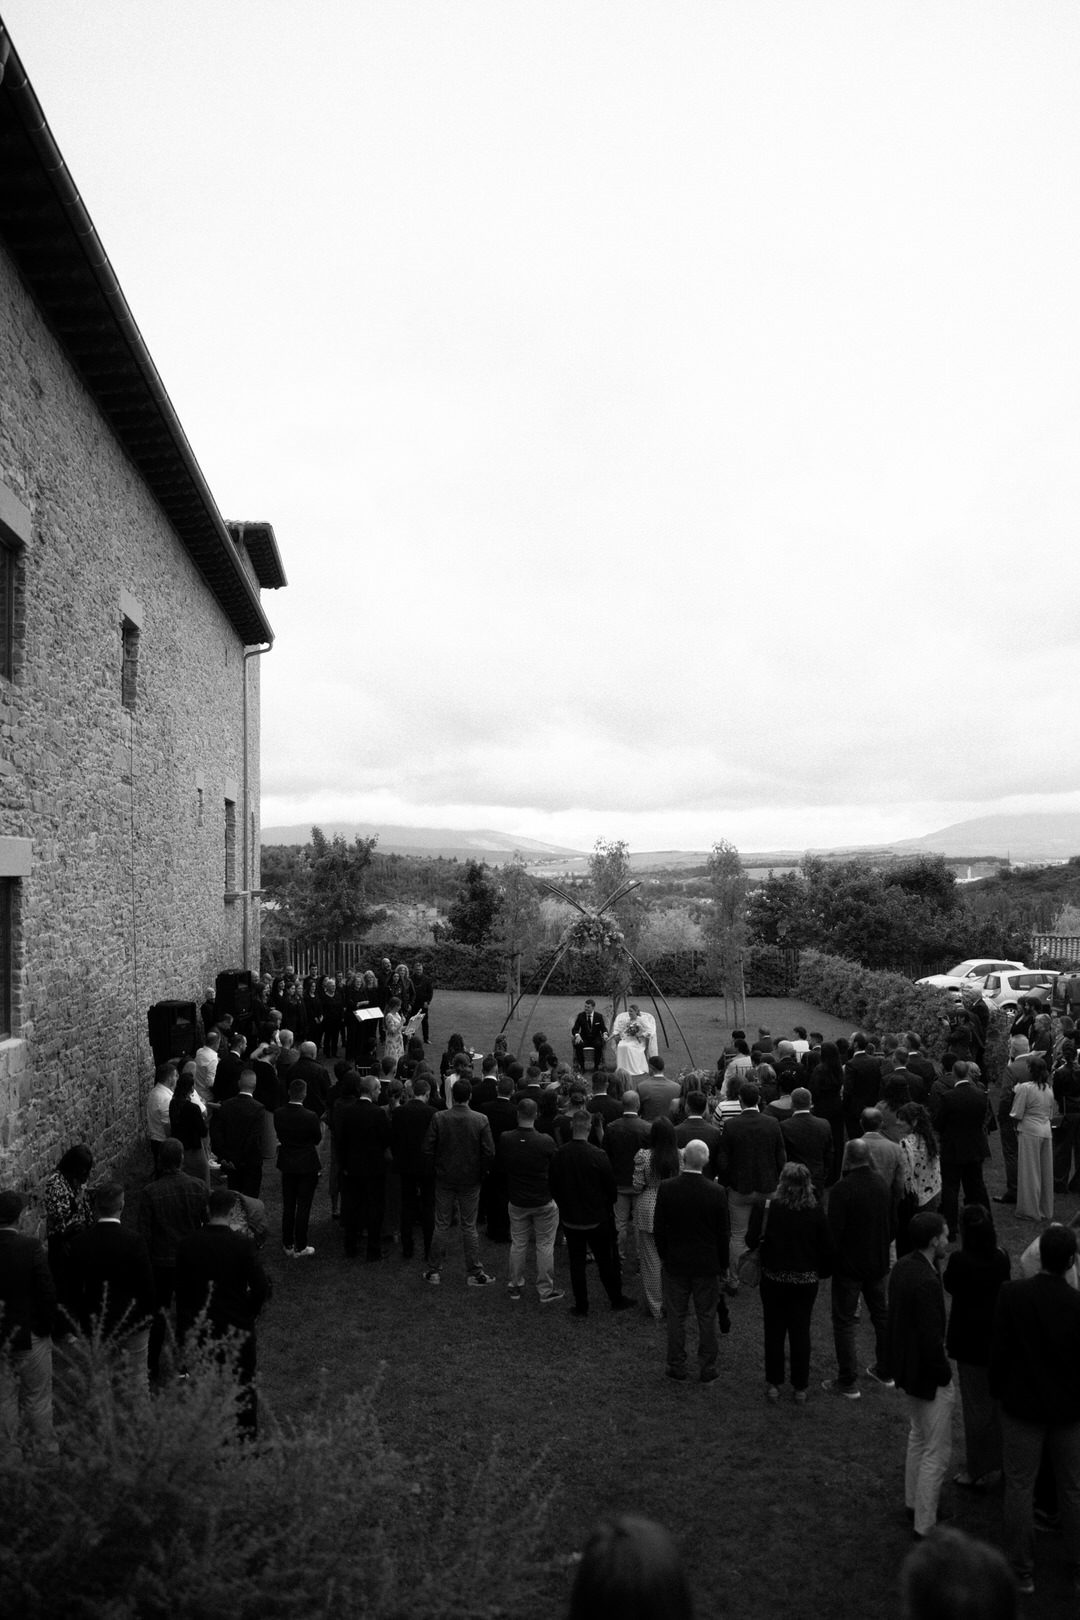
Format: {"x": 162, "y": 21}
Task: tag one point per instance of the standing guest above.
{"x": 695, "y": 1127}
{"x": 630, "y": 1569}
{"x": 208, "y": 1009}
{"x": 1066, "y": 1139}
{"x": 363, "y": 1143}
{"x": 524, "y": 1155}
{"x": 188, "y": 1124}
{"x": 589, "y": 1034}
{"x": 826, "y": 1086}
{"x": 623, "y": 1139}
{"x": 1033, "y": 1109}
{"x": 220, "y": 1289}
{"x": 401, "y": 986}
{"x": 206, "y": 1062}
{"x": 1016, "y": 1072}
{"x": 808, "y": 1140}
{"x": 299, "y": 1135}
{"x": 27, "y": 1311}
{"x": 885, "y": 1155}
{"x": 728, "y": 1106}
{"x": 921, "y": 1159}
{"x": 862, "y": 1082}
{"x": 486, "y": 1089}
{"x": 230, "y": 1065}
{"x": 693, "y": 1237}
{"x": 659, "y": 1097}
{"x": 423, "y": 989}
{"x": 602, "y": 1102}
{"x": 332, "y": 1008}
{"x": 408, "y": 1129}
{"x": 583, "y": 1185}
{"x": 313, "y": 1011}
{"x": 458, "y": 1150}
{"x": 293, "y": 1015}
{"x": 157, "y": 1107}
{"x": 1034, "y": 1354}
{"x": 654, "y": 1164}
{"x": 861, "y": 1222}
{"x": 455, "y": 1046}
{"x": 501, "y": 1115}
{"x": 169, "y": 1208}
{"x": 916, "y": 1339}
{"x": 308, "y": 1069}
{"x": 116, "y": 1282}
{"x": 238, "y": 1131}
{"x": 791, "y": 1233}
{"x": 973, "y": 1279}
{"x": 68, "y": 1211}
{"x": 752, "y": 1155}
{"x": 961, "y": 1127}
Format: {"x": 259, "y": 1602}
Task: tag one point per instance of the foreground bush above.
{"x": 880, "y": 1003}
{"x": 156, "y": 1509}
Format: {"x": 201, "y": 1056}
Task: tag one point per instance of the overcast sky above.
{"x": 668, "y": 412}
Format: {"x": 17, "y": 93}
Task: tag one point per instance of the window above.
{"x": 7, "y": 934}
{"x": 230, "y": 846}
{"x": 7, "y": 612}
{"x": 129, "y": 677}
{"x": 15, "y": 530}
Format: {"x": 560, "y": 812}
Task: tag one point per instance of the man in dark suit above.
{"x": 299, "y": 1135}
{"x": 363, "y": 1143}
{"x": 308, "y": 1069}
{"x": 115, "y": 1281}
{"x": 583, "y": 1185}
{"x": 27, "y": 1312}
{"x": 696, "y": 1128}
{"x": 961, "y": 1126}
{"x": 807, "y": 1139}
{"x": 693, "y": 1239}
{"x": 1034, "y": 1354}
{"x": 862, "y": 1083}
{"x": 238, "y": 1132}
{"x": 752, "y": 1155}
{"x": 172, "y": 1206}
{"x": 588, "y": 1033}
{"x": 218, "y": 1273}
{"x": 861, "y": 1216}
{"x": 423, "y": 993}
{"x": 408, "y": 1128}
{"x": 230, "y": 1065}
{"x": 501, "y": 1114}
{"x": 920, "y": 1366}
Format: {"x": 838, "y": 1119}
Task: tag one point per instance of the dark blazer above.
{"x": 238, "y": 1131}
{"x": 317, "y": 1081}
{"x": 582, "y": 1183}
{"x": 114, "y": 1278}
{"x": 170, "y": 1208}
{"x": 961, "y": 1124}
{"x": 27, "y": 1290}
{"x": 217, "y": 1270}
{"x": 622, "y": 1139}
{"x": 862, "y": 1085}
{"x": 691, "y": 1226}
{"x": 752, "y": 1153}
{"x": 408, "y": 1128}
{"x": 695, "y": 1128}
{"x": 501, "y": 1115}
{"x": 916, "y": 1327}
{"x": 795, "y": 1240}
{"x": 227, "y": 1076}
{"x": 861, "y": 1222}
{"x": 362, "y": 1129}
{"x": 974, "y": 1284}
{"x": 298, "y": 1135}
{"x": 589, "y": 1033}
{"x": 809, "y": 1140}
{"x": 1035, "y": 1350}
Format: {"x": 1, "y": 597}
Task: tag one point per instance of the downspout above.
{"x": 245, "y": 881}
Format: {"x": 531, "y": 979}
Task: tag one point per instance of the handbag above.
{"x": 748, "y": 1269}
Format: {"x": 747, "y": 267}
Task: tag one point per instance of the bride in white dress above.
{"x": 635, "y": 1035}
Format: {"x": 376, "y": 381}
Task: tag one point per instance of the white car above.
{"x": 1004, "y": 990}
{"x": 971, "y": 973}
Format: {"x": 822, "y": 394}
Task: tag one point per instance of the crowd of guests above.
{"x": 796, "y": 1161}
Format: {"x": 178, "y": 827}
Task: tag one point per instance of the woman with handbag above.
{"x": 653, "y": 1164}
{"x": 791, "y": 1237}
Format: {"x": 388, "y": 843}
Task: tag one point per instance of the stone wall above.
{"x": 124, "y": 903}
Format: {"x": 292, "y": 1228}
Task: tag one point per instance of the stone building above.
{"x": 130, "y": 623}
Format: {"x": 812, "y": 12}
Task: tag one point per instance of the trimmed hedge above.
{"x": 879, "y": 1003}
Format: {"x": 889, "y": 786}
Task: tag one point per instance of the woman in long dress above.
{"x": 1033, "y": 1109}
{"x": 653, "y": 1164}
{"x": 394, "y": 1025}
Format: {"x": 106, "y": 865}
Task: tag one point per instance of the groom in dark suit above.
{"x": 589, "y": 1032}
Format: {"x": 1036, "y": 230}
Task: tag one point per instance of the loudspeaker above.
{"x": 172, "y": 1030}
{"x": 233, "y": 994}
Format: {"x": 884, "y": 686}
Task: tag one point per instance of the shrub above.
{"x": 880, "y": 1003}
{"x": 156, "y": 1509}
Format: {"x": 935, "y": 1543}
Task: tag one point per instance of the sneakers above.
{"x": 514, "y": 1290}
{"x": 303, "y": 1254}
{"x": 772, "y": 1393}
{"x": 433, "y": 1277}
{"x": 800, "y": 1397}
{"x": 479, "y": 1278}
{"x": 556, "y": 1293}
{"x": 1025, "y": 1586}
{"x": 850, "y": 1392}
{"x": 287, "y": 1248}
{"x": 886, "y": 1383}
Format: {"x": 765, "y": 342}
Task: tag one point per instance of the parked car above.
{"x": 973, "y": 972}
{"x": 1004, "y": 990}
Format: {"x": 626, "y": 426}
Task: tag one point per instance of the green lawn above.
{"x": 780, "y": 1511}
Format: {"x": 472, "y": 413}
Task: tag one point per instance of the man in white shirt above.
{"x": 206, "y": 1062}
{"x": 157, "y": 1107}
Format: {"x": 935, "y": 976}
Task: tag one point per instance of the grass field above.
{"x": 779, "y": 1510}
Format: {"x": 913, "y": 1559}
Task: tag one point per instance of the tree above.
{"x": 326, "y": 897}
{"x": 472, "y": 915}
{"x": 726, "y": 929}
{"x": 518, "y": 922}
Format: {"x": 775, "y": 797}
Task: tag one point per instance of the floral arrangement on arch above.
{"x": 591, "y": 933}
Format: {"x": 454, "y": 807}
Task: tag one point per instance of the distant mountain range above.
{"x": 1032, "y": 836}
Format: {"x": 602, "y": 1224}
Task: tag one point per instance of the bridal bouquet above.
{"x": 635, "y": 1030}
